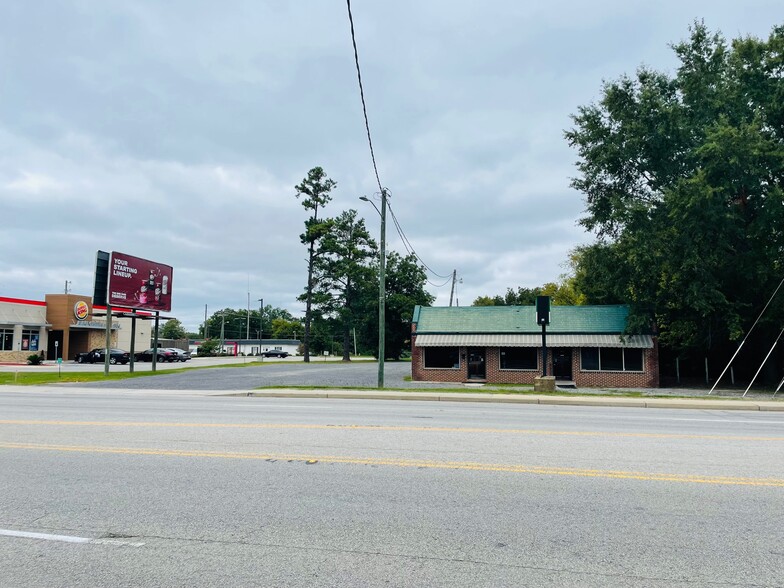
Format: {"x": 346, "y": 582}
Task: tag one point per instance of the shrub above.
{"x": 34, "y": 359}
{"x": 208, "y": 348}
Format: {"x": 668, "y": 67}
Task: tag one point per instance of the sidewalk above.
{"x": 699, "y": 403}
{"x": 545, "y": 399}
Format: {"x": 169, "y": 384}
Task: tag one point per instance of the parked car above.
{"x": 181, "y": 354}
{"x": 98, "y": 356}
{"x": 162, "y": 355}
{"x": 274, "y": 353}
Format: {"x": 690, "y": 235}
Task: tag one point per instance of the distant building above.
{"x": 503, "y": 344}
{"x": 251, "y": 346}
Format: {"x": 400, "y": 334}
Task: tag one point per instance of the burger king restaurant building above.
{"x": 62, "y": 325}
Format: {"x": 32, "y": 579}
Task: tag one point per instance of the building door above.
{"x": 54, "y": 336}
{"x": 476, "y": 363}
{"x": 562, "y": 364}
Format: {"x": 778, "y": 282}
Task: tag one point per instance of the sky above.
{"x": 176, "y": 131}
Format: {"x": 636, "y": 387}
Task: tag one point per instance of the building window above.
{"x": 519, "y": 358}
{"x": 610, "y": 359}
{"x": 589, "y": 358}
{"x": 632, "y": 360}
{"x": 6, "y": 339}
{"x": 442, "y": 357}
{"x": 30, "y": 340}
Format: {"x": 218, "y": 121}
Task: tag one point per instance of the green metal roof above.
{"x": 519, "y": 319}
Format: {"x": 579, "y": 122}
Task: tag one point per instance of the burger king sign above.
{"x": 81, "y": 310}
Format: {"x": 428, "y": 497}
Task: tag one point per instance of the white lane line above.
{"x": 67, "y": 538}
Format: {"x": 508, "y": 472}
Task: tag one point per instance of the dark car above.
{"x": 181, "y": 354}
{"x": 98, "y": 356}
{"x": 275, "y": 353}
{"x": 162, "y": 355}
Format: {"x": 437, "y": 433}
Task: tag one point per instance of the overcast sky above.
{"x": 176, "y": 131}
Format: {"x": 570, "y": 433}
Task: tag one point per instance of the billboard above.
{"x": 139, "y": 283}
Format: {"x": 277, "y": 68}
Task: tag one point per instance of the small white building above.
{"x": 252, "y": 346}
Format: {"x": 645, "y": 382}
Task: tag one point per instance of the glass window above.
{"x": 589, "y": 358}
{"x": 611, "y": 359}
{"x": 30, "y": 340}
{"x": 442, "y": 357}
{"x": 632, "y": 360}
{"x": 519, "y": 358}
{"x": 6, "y": 339}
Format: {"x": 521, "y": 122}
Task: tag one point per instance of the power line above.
{"x": 406, "y": 243}
{"x": 410, "y": 248}
{"x": 362, "y": 95}
{"x": 449, "y": 279}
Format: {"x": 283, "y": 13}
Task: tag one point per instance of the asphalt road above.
{"x": 218, "y": 491}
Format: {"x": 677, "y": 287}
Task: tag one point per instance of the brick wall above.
{"x": 16, "y": 356}
{"x": 494, "y": 374}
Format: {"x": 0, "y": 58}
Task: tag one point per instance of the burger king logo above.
{"x": 81, "y": 310}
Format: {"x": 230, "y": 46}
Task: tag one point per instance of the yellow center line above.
{"x": 385, "y": 428}
{"x": 413, "y": 463}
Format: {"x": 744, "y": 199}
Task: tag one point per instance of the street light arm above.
{"x": 366, "y": 199}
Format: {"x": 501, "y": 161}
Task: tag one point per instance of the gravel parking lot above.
{"x": 273, "y": 373}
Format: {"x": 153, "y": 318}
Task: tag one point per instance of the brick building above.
{"x": 503, "y": 344}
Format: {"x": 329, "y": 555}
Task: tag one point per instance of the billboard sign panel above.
{"x": 139, "y": 283}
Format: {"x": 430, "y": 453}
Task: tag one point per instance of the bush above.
{"x": 208, "y": 348}
{"x": 34, "y": 359}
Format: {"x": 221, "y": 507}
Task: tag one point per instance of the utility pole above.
{"x": 205, "y": 322}
{"x": 382, "y": 290}
{"x": 382, "y": 261}
{"x": 261, "y": 324}
{"x": 223, "y": 322}
{"x": 452, "y": 293}
{"x": 247, "y": 327}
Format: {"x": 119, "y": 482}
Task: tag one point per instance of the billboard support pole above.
{"x": 155, "y": 343}
{"x": 107, "y": 351}
{"x": 133, "y": 337}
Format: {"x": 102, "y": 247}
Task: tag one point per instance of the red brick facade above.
{"x": 648, "y": 378}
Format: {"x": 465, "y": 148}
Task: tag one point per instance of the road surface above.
{"x": 114, "y": 489}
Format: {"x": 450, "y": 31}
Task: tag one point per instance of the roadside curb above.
{"x": 552, "y": 400}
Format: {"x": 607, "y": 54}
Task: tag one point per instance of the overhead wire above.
{"x": 440, "y": 285}
{"x": 362, "y": 95}
{"x": 410, "y": 248}
{"x": 406, "y": 243}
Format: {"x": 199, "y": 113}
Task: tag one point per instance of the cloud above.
{"x": 176, "y": 131}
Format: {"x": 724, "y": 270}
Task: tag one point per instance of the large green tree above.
{"x": 564, "y": 292}
{"x": 405, "y": 288}
{"x": 235, "y": 323}
{"x": 341, "y": 271}
{"x": 173, "y": 329}
{"x": 683, "y": 177}
{"x": 315, "y": 190}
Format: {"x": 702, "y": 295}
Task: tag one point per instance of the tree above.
{"x": 235, "y": 322}
{"x": 315, "y": 189}
{"x": 405, "y": 288}
{"x": 683, "y": 178}
{"x": 341, "y": 270}
{"x": 173, "y": 329}
{"x": 285, "y": 328}
{"x": 564, "y": 292}
{"x": 209, "y": 347}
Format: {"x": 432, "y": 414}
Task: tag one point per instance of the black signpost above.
{"x": 543, "y": 318}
